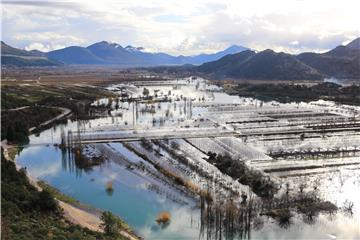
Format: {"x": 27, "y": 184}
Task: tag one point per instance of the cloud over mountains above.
{"x": 182, "y": 27}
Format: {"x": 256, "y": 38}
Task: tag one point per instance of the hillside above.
{"x": 340, "y": 62}
{"x": 222, "y": 67}
{"x": 74, "y": 55}
{"x": 263, "y": 65}
{"x": 17, "y": 57}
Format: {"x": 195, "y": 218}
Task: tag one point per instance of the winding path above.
{"x": 14, "y": 109}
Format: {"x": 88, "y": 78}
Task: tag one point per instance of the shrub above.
{"x": 109, "y": 187}
{"x": 262, "y": 186}
{"x": 110, "y": 223}
{"x": 46, "y": 202}
{"x": 163, "y": 218}
{"x": 174, "y": 145}
{"x": 146, "y": 144}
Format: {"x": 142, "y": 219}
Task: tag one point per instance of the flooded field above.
{"x": 159, "y": 143}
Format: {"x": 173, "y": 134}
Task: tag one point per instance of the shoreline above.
{"x": 74, "y": 214}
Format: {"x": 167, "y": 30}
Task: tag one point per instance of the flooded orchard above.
{"x": 182, "y": 159}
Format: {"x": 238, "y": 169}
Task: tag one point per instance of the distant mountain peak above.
{"x": 102, "y": 43}
{"x": 267, "y": 51}
{"x": 115, "y": 45}
{"x": 106, "y": 44}
{"x": 235, "y": 47}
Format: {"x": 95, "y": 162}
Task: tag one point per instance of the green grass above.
{"x": 59, "y": 195}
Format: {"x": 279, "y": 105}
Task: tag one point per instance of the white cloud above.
{"x": 42, "y": 47}
{"x": 48, "y": 36}
{"x": 47, "y": 41}
{"x": 183, "y": 27}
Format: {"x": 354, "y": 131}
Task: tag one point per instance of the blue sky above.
{"x": 182, "y": 27}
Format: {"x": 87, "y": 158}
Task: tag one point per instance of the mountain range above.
{"x": 235, "y": 62}
{"x": 340, "y": 62}
{"x": 104, "y": 53}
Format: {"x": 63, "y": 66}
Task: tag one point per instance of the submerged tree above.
{"x": 109, "y": 188}
{"x": 163, "y": 219}
{"x": 146, "y": 92}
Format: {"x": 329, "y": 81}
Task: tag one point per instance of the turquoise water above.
{"x": 131, "y": 200}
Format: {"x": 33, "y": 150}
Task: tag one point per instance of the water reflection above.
{"x": 132, "y": 199}
{"x": 139, "y": 206}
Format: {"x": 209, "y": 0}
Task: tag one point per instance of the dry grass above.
{"x": 72, "y": 75}
{"x": 192, "y": 187}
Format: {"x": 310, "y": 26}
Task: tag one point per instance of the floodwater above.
{"x": 139, "y": 206}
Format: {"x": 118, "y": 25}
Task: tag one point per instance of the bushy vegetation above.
{"x": 261, "y": 185}
{"x": 295, "y": 92}
{"x": 163, "y": 218}
{"x": 112, "y": 225}
{"x": 15, "y": 124}
{"x": 146, "y": 144}
{"x": 59, "y": 195}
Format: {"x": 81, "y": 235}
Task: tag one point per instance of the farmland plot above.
{"x": 205, "y": 174}
{"x": 241, "y": 151}
{"x": 208, "y": 145}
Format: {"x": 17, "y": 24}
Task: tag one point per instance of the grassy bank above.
{"x": 59, "y": 195}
